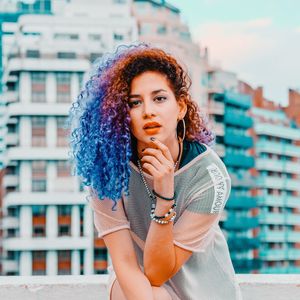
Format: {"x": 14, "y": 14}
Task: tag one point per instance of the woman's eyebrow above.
{"x": 152, "y": 93}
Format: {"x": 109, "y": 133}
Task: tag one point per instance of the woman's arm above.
{"x": 162, "y": 259}
{"x": 132, "y": 280}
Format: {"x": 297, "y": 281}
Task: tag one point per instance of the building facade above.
{"x": 229, "y": 110}
{"x": 47, "y": 224}
{"x": 277, "y": 171}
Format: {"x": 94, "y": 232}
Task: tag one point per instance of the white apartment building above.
{"x": 160, "y": 25}
{"x": 48, "y": 226}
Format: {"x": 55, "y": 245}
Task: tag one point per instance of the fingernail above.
{"x": 152, "y": 138}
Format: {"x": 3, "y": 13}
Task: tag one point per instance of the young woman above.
{"x": 157, "y": 189}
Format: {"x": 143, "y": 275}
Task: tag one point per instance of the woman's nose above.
{"x": 148, "y": 110}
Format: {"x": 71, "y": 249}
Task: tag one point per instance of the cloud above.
{"x": 258, "y": 51}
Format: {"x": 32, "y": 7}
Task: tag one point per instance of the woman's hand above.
{"x": 160, "y": 164}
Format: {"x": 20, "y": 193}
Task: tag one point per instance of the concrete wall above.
{"x": 93, "y": 287}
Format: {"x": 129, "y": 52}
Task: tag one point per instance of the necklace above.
{"x": 153, "y": 197}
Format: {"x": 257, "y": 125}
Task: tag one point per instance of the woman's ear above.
{"x": 182, "y": 107}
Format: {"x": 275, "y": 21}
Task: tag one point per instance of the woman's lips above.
{"x": 152, "y": 130}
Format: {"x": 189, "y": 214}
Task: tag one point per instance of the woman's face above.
{"x": 154, "y": 110}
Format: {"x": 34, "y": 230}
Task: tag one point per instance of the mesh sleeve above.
{"x": 105, "y": 220}
{"x": 195, "y": 228}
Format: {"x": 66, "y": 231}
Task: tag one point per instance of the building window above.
{"x": 94, "y": 37}
{"x": 64, "y": 230}
{"x": 66, "y": 36}
{"x": 94, "y": 56}
{"x": 63, "y": 87}
{"x": 63, "y": 169}
{"x": 33, "y": 53}
{"x": 64, "y": 210}
{"x": 64, "y": 262}
{"x": 62, "y": 132}
{"x": 66, "y": 55}
{"x": 38, "y": 262}
{"x": 100, "y": 253}
{"x": 118, "y": 37}
{"x": 12, "y": 232}
{"x": 64, "y": 220}
{"x": 38, "y": 86}
{"x": 39, "y": 231}
{"x": 38, "y": 128}
{"x": 39, "y": 181}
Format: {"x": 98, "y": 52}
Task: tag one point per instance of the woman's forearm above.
{"x": 135, "y": 285}
{"x": 159, "y": 253}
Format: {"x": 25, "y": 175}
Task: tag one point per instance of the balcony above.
{"x": 10, "y": 180}
{"x": 277, "y": 131}
{"x": 10, "y": 96}
{"x": 281, "y": 201}
{"x": 277, "y": 148}
{"x": 244, "y": 180}
{"x": 51, "y": 198}
{"x": 48, "y": 64}
{"x": 36, "y": 153}
{"x": 12, "y": 139}
{"x": 279, "y": 218}
{"x": 218, "y": 128}
{"x": 240, "y": 223}
{"x": 283, "y": 183}
{"x": 274, "y": 254}
{"x": 236, "y": 99}
{"x": 277, "y": 165}
{"x": 10, "y": 222}
{"x": 239, "y": 160}
{"x": 46, "y": 243}
{"x": 94, "y": 287}
{"x": 243, "y": 243}
{"x": 241, "y": 202}
{"x": 238, "y": 140}
{"x": 38, "y": 109}
{"x": 237, "y": 119}
{"x": 10, "y": 266}
{"x": 216, "y": 108}
{"x": 280, "y": 254}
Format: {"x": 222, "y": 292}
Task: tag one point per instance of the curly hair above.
{"x": 101, "y": 140}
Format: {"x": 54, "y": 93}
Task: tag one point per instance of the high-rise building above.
{"x": 10, "y": 10}
{"x": 277, "y": 171}
{"x": 47, "y": 224}
{"x": 229, "y": 112}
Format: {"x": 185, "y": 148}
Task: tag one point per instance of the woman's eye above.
{"x": 161, "y": 98}
{"x": 133, "y": 103}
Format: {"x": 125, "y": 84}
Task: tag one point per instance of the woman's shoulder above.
{"x": 203, "y": 163}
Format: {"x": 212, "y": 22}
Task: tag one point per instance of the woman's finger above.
{"x": 164, "y": 149}
{"x": 158, "y": 154}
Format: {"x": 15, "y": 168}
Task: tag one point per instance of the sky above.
{"x": 258, "y": 39}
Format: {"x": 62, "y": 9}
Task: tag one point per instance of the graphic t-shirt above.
{"x": 202, "y": 187}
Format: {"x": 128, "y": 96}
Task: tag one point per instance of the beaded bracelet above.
{"x": 162, "y": 219}
{"x": 165, "y": 221}
{"x": 165, "y": 215}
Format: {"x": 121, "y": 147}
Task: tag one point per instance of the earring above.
{"x": 184, "y": 130}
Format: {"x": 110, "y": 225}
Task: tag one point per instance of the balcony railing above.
{"x": 94, "y": 287}
{"x": 277, "y": 148}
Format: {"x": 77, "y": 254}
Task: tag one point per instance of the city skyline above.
{"x": 249, "y": 38}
